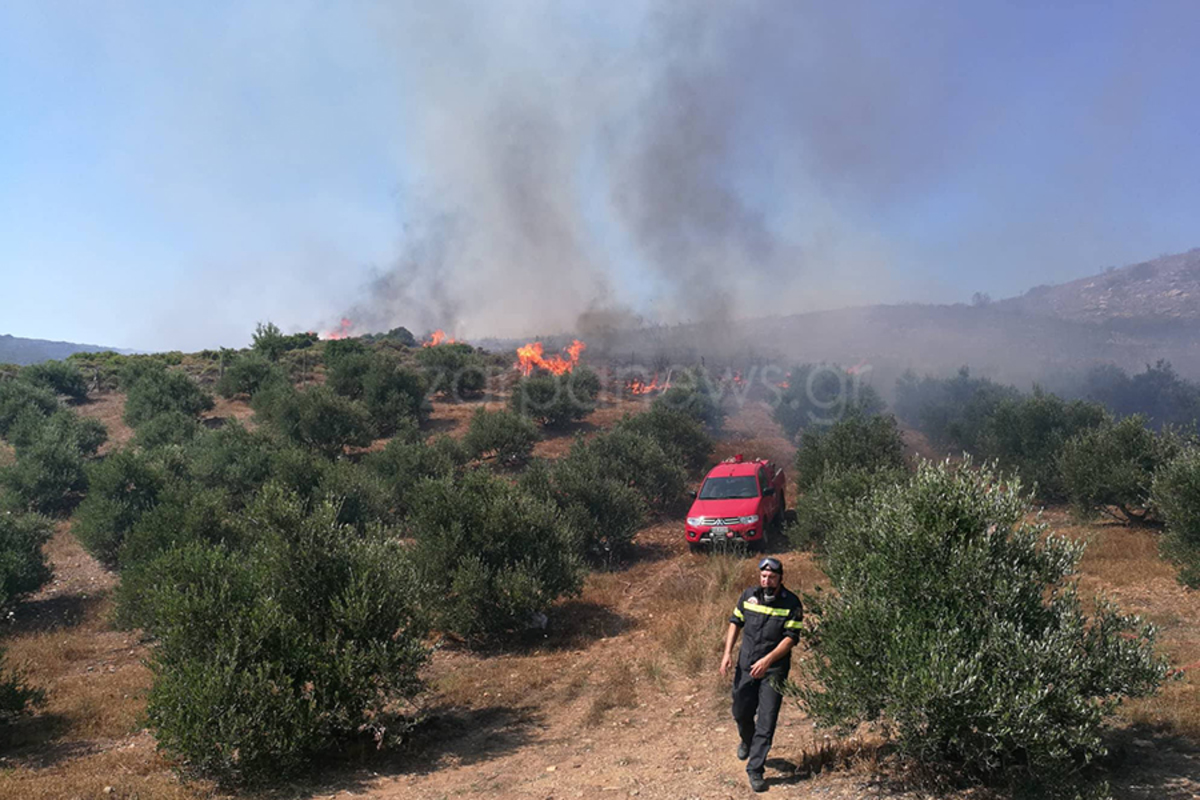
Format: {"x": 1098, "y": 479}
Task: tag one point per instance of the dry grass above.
{"x": 109, "y": 408}
{"x": 617, "y": 690}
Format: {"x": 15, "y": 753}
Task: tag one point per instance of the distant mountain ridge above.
{"x": 16, "y": 350}
{"x": 1167, "y": 288}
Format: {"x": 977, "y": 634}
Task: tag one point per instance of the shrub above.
{"x": 247, "y": 374}
{"x": 84, "y": 434}
{"x": 952, "y": 412}
{"x": 494, "y": 554}
{"x": 390, "y": 394}
{"x": 23, "y": 566}
{"x": 636, "y": 460}
{"x": 18, "y": 396}
{"x": 603, "y": 510}
{"x": 60, "y": 377}
{"x": 1027, "y": 435}
{"x": 960, "y": 625}
{"x": 823, "y": 503}
{"x": 556, "y": 400}
{"x": 169, "y": 427}
{"x": 1175, "y": 493}
{"x": 700, "y": 406}
{"x": 315, "y": 418}
{"x": 153, "y": 389}
{"x": 821, "y": 394}
{"x": 359, "y": 495}
{"x": 678, "y": 433}
{"x": 855, "y": 442}
{"x": 16, "y": 696}
{"x": 271, "y": 342}
{"x": 122, "y": 487}
{"x": 184, "y": 513}
{"x": 453, "y": 369}
{"x": 502, "y": 435}
{"x": 405, "y": 462}
{"x": 1158, "y": 394}
{"x": 271, "y": 655}
{"x": 1110, "y": 468}
{"x": 48, "y": 477}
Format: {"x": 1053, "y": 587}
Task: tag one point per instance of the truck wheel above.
{"x": 695, "y": 547}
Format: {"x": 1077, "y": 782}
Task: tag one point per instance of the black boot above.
{"x": 743, "y": 751}
{"x": 757, "y": 782}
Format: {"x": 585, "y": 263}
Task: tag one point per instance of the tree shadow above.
{"x": 570, "y": 624}
{"x": 1147, "y": 762}
{"x": 30, "y": 742}
{"x": 53, "y": 613}
{"x": 462, "y": 736}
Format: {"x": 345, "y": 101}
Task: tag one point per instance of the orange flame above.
{"x": 343, "y": 330}
{"x": 439, "y": 337}
{"x": 531, "y": 356}
{"x": 636, "y": 386}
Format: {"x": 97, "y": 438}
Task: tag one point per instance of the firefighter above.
{"x": 768, "y": 617}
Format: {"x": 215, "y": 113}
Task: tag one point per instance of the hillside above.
{"x": 16, "y": 350}
{"x": 1167, "y": 288}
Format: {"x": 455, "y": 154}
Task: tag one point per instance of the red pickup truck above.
{"x": 739, "y": 500}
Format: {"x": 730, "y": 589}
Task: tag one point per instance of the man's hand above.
{"x": 759, "y": 668}
{"x": 726, "y": 663}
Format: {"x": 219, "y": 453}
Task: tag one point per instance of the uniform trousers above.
{"x": 755, "y": 709}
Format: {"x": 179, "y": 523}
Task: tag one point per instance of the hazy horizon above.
{"x": 171, "y": 174}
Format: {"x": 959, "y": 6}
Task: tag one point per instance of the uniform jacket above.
{"x": 764, "y": 625}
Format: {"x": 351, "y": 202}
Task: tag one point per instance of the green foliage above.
{"x": 1158, "y": 394}
{"x": 951, "y": 412}
{"x": 49, "y": 476}
{"x": 678, "y": 433}
{"x": 1110, "y": 468}
{"x": 389, "y": 393}
{"x": 16, "y": 696}
{"x": 603, "y": 510}
{"x": 1175, "y": 493}
{"x": 1027, "y": 434}
{"x": 855, "y": 442}
{"x": 493, "y": 554}
{"x": 556, "y": 400}
{"x": 60, "y": 377}
{"x": 232, "y": 458}
{"x": 17, "y": 397}
{"x": 272, "y": 343}
{"x": 960, "y": 626}
{"x": 30, "y": 427}
{"x": 122, "y": 487}
{"x": 637, "y": 460}
{"x": 272, "y": 654}
{"x": 359, "y": 494}
{"x": 184, "y": 513}
{"x": 502, "y": 435}
{"x": 23, "y": 566}
{"x": 454, "y": 370}
{"x": 818, "y": 395}
{"x": 823, "y": 503}
{"x": 168, "y": 428}
{"x": 315, "y": 418}
{"x": 406, "y": 461}
{"x": 247, "y": 374}
{"x": 152, "y": 389}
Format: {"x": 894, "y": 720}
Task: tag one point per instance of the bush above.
{"x": 1027, "y": 435}
{"x": 168, "y": 428}
{"x": 184, "y": 513}
{"x": 271, "y": 342}
{"x": 692, "y": 393}
{"x": 1175, "y": 493}
{"x": 60, "y": 377}
{"x": 23, "y": 566}
{"x": 17, "y": 397}
{"x": 359, "y": 495}
{"x": 952, "y": 412}
{"x": 494, "y": 554}
{"x": 122, "y": 487}
{"x": 1110, "y": 468}
{"x": 152, "y": 389}
{"x": 556, "y": 400}
{"x": 390, "y": 394}
{"x": 16, "y": 696}
{"x": 678, "y": 433}
{"x": 270, "y": 655}
{"x": 454, "y": 370}
{"x": 84, "y": 434}
{"x": 48, "y": 477}
{"x": 818, "y": 395}
{"x": 502, "y": 435}
{"x": 405, "y": 462}
{"x": 232, "y": 458}
{"x": 960, "y": 626}
{"x": 855, "y": 442}
{"x": 823, "y": 504}
{"x": 604, "y": 511}
{"x": 1158, "y": 394}
{"x": 247, "y": 374}
{"x": 315, "y": 418}
{"x": 636, "y": 460}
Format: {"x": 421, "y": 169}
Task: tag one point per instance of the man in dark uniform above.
{"x": 768, "y": 617}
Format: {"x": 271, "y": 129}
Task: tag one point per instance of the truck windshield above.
{"x": 740, "y": 487}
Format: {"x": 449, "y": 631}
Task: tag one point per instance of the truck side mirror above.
{"x": 767, "y": 492}
{"x": 694, "y": 494}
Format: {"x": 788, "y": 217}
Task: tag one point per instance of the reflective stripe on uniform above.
{"x": 737, "y": 612}
{"x": 793, "y": 623}
{"x": 774, "y": 612}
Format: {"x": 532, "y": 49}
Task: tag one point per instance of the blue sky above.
{"x": 171, "y": 173}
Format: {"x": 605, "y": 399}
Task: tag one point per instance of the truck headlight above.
{"x": 695, "y": 521}
{"x": 750, "y": 520}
